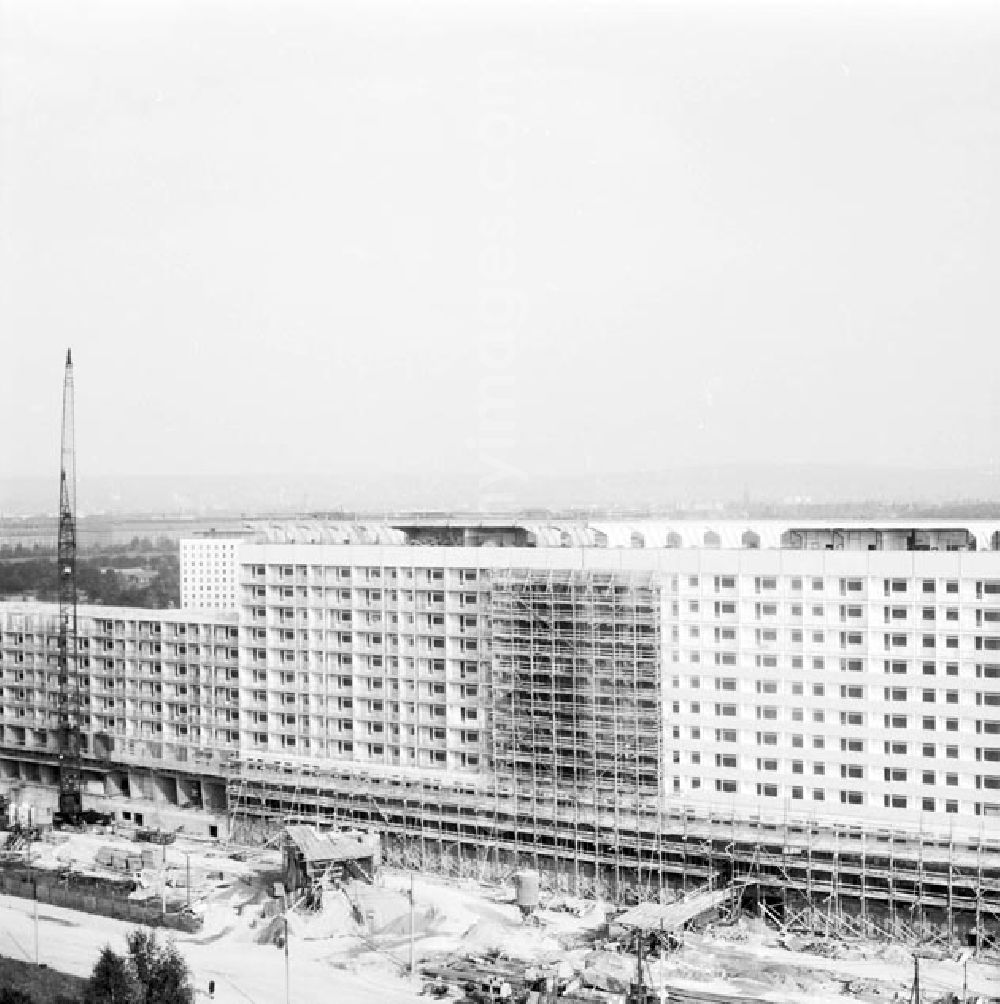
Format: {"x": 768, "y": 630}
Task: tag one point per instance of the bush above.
{"x": 8, "y": 996}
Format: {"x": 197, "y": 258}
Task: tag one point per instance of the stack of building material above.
{"x": 123, "y": 861}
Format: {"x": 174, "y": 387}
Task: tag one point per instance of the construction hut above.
{"x": 313, "y": 858}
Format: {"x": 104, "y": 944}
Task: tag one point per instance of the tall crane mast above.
{"x": 70, "y": 738}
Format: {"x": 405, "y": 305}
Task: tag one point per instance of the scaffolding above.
{"x": 823, "y": 878}
{"x": 575, "y": 708}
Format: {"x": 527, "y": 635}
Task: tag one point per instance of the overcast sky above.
{"x": 311, "y": 236}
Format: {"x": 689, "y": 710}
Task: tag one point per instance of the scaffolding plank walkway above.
{"x": 669, "y": 917}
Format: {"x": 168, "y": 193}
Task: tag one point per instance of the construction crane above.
{"x": 70, "y": 738}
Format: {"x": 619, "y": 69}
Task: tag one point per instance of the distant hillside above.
{"x": 693, "y": 488}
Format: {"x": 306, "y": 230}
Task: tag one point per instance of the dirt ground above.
{"x": 358, "y": 945}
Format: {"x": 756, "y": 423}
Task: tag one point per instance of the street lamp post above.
{"x": 413, "y": 968}
{"x": 288, "y": 969}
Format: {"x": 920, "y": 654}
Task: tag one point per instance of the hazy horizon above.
{"x": 694, "y": 487}
{"x": 500, "y": 240}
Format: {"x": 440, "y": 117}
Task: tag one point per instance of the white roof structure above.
{"x": 319, "y": 532}
{"x": 725, "y": 534}
{"x": 766, "y": 534}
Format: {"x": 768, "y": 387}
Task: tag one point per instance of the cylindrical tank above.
{"x": 526, "y": 889}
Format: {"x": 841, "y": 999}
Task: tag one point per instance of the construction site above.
{"x": 316, "y": 910}
{"x": 520, "y": 762}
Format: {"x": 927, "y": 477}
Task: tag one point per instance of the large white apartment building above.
{"x": 849, "y": 684}
{"x": 562, "y": 689}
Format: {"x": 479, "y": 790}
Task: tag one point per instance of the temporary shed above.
{"x": 311, "y": 856}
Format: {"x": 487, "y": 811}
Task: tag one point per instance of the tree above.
{"x": 150, "y": 973}
{"x": 160, "y": 970}
{"x": 113, "y": 981}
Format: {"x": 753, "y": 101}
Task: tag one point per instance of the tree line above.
{"x": 37, "y": 577}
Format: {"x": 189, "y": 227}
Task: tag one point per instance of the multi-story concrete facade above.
{"x": 582, "y": 694}
{"x": 850, "y": 684}
{"x": 159, "y": 697}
